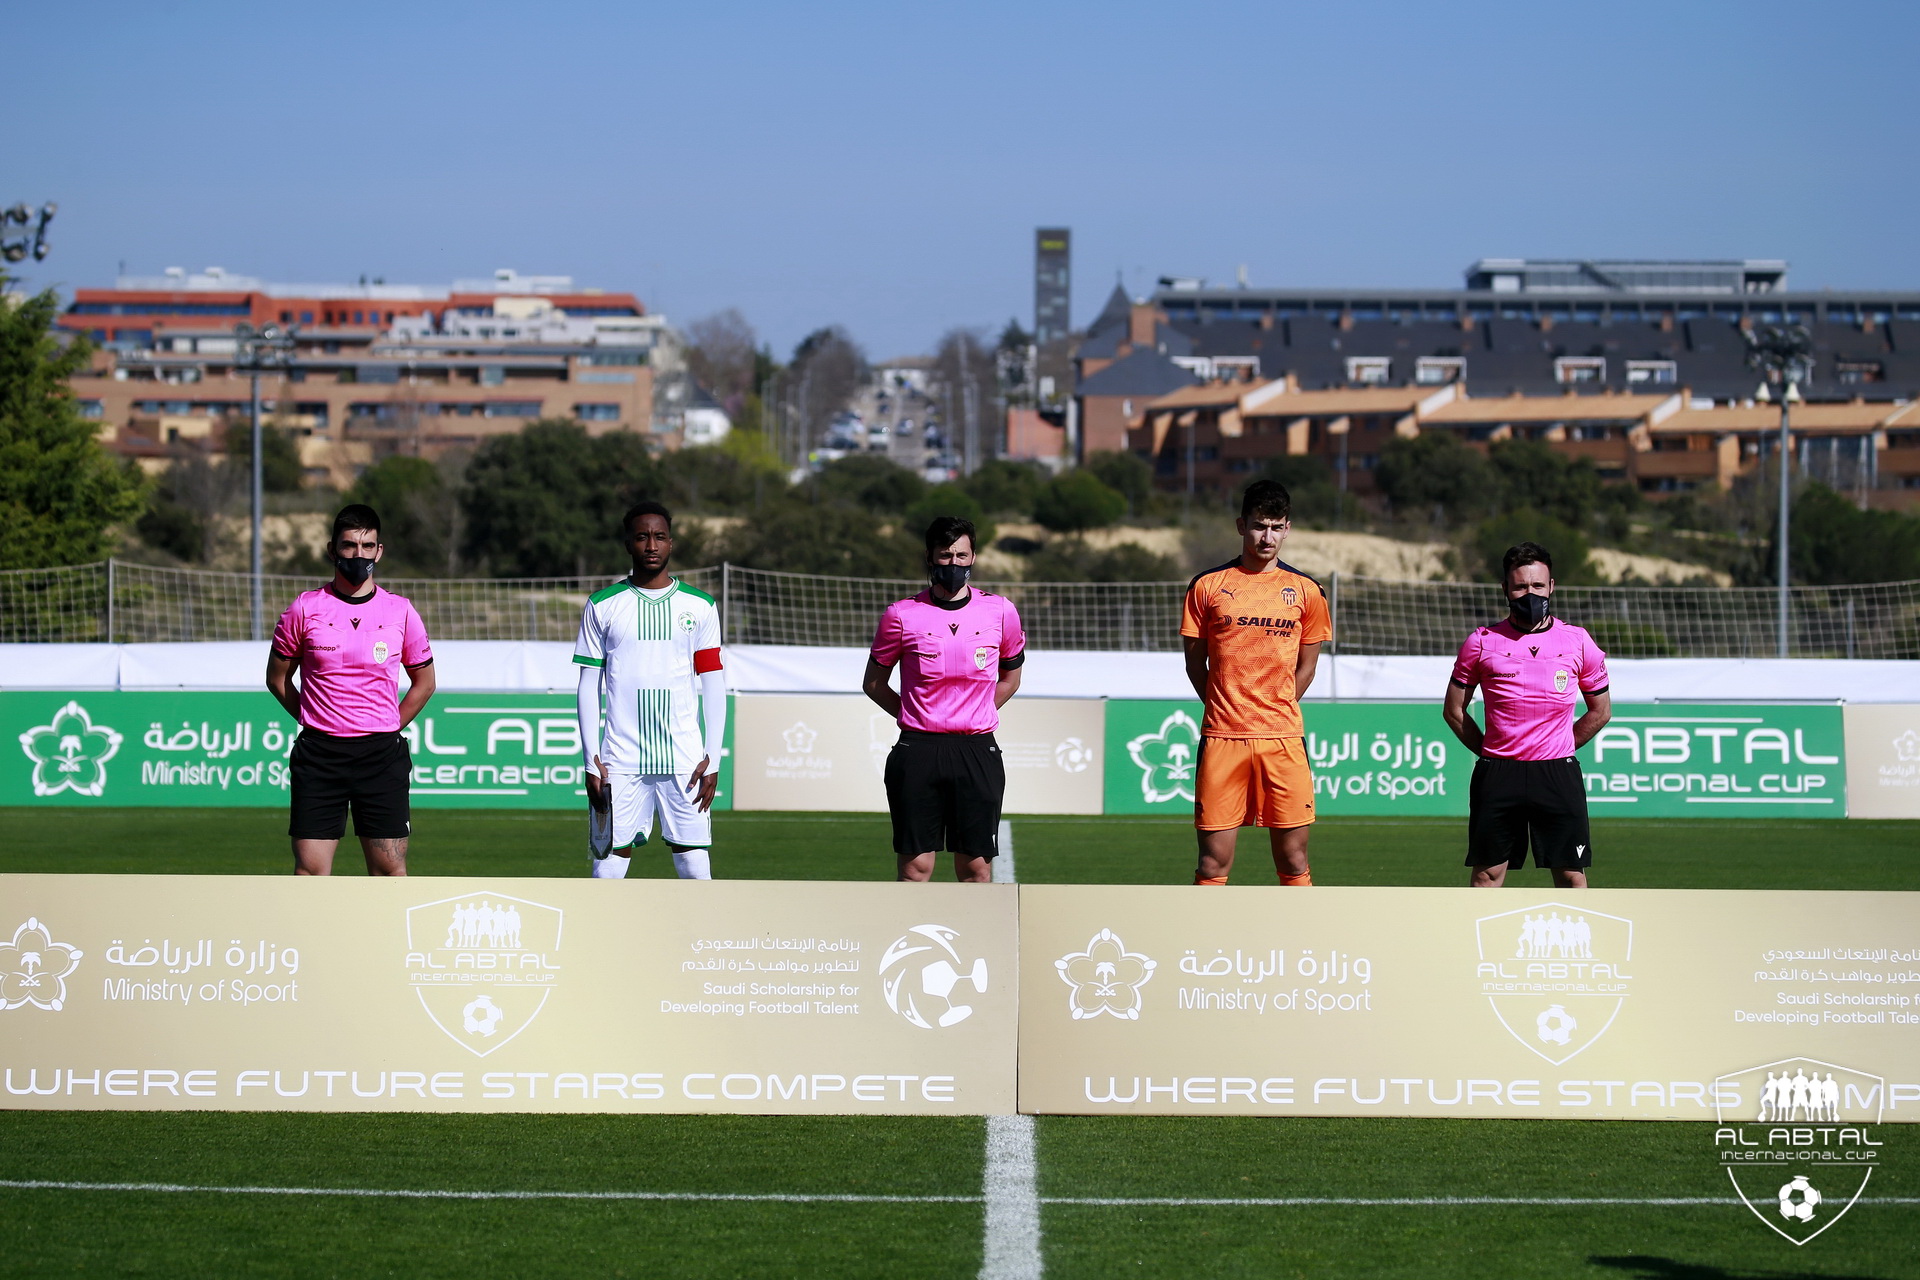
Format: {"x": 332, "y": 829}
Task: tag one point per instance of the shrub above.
{"x": 1072, "y": 560}
{"x": 1572, "y": 557}
{"x": 1127, "y": 474}
{"x": 1005, "y": 487}
{"x": 945, "y": 500}
{"x": 1076, "y": 501}
{"x": 871, "y": 481}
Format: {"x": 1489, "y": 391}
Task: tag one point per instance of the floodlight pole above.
{"x": 1784, "y": 354}
{"x": 1786, "y": 454}
{"x": 257, "y": 351}
{"x": 253, "y": 560}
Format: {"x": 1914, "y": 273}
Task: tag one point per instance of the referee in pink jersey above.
{"x": 959, "y": 651}
{"x": 1526, "y": 783}
{"x": 348, "y": 641}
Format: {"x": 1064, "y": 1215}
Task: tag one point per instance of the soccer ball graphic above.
{"x": 1556, "y": 1025}
{"x": 1073, "y": 755}
{"x": 931, "y": 983}
{"x": 1797, "y": 1199}
{"x": 482, "y": 1016}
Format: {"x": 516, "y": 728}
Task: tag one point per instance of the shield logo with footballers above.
{"x": 1555, "y": 975}
{"x": 1796, "y": 1139}
{"x": 483, "y": 965}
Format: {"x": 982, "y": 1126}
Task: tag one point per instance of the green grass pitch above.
{"x": 935, "y": 1165}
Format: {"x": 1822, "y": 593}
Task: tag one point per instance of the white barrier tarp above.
{"x": 537, "y": 666}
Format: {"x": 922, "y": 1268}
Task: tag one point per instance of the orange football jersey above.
{"x": 1254, "y": 625}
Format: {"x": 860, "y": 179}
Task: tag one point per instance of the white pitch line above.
{"x": 1012, "y": 1235}
{"x": 384, "y": 1193}
{"x": 1097, "y": 1202}
{"x": 1410, "y": 1202}
{"x": 1010, "y": 1244}
{"x": 1003, "y": 865}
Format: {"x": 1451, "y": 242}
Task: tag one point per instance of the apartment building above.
{"x": 380, "y": 368}
{"x": 1639, "y": 366}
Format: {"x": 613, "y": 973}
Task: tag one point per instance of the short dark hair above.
{"x": 357, "y": 516}
{"x": 947, "y": 530}
{"x": 639, "y": 509}
{"x": 1267, "y": 499}
{"x": 1524, "y": 553}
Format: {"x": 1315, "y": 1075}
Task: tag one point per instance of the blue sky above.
{"x": 883, "y": 166}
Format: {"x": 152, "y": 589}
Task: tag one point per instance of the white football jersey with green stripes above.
{"x": 644, "y": 643}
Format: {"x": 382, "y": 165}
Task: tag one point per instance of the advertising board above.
{"x": 1614, "y": 1004}
{"x": 1883, "y": 761}
{"x": 431, "y": 994}
{"x": 176, "y": 748}
{"x": 1398, "y": 758}
{"x": 829, "y": 752}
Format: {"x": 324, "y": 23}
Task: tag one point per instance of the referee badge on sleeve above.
{"x": 1559, "y": 682}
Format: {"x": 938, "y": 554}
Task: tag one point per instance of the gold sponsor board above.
{"x": 1604, "y": 1004}
{"x": 829, "y": 752}
{"x": 1883, "y": 761}
{"x": 352, "y": 994}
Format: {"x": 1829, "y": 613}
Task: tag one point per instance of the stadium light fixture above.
{"x": 18, "y": 246}
{"x": 1782, "y": 353}
{"x": 268, "y": 349}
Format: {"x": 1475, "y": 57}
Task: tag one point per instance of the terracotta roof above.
{"x": 1766, "y": 417}
{"x": 1546, "y": 409}
{"x": 1208, "y": 395}
{"x": 1272, "y": 402}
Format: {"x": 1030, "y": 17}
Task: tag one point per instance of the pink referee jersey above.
{"x": 950, "y": 658}
{"x": 350, "y": 654}
{"x": 1531, "y": 682}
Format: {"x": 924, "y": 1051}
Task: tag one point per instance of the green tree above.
{"x": 547, "y": 501}
{"x": 1005, "y": 487}
{"x": 1572, "y": 556}
{"x": 280, "y": 469}
{"x": 418, "y": 512}
{"x": 1433, "y": 470}
{"x": 1077, "y": 501}
{"x": 945, "y": 500}
{"x": 60, "y": 492}
{"x": 1127, "y": 474}
{"x": 871, "y": 481}
{"x": 1072, "y": 560}
{"x": 1531, "y": 473}
{"x": 1308, "y": 481}
{"x": 736, "y": 474}
{"x": 1831, "y": 541}
{"x": 795, "y": 536}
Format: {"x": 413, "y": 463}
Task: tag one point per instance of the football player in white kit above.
{"x": 650, "y": 647}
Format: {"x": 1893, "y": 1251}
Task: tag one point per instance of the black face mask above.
{"x": 951, "y": 577}
{"x": 1529, "y": 611}
{"x": 355, "y": 569}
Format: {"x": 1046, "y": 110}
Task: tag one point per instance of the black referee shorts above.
{"x": 1513, "y": 799}
{"x": 370, "y": 774}
{"x": 944, "y": 791}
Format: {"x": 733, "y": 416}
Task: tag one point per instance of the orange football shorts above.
{"x": 1259, "y": 782}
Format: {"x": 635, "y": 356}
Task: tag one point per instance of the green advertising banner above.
{"x": 178, "y": 748}
{"x": 1368, "y": 758}
{"x": 1680, "y": 760}
{"x": 1660, "y": 761}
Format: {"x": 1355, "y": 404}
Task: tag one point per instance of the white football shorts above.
{"x": 637, "y": 798}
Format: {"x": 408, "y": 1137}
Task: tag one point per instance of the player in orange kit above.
{"x": 1252, "y": 631}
